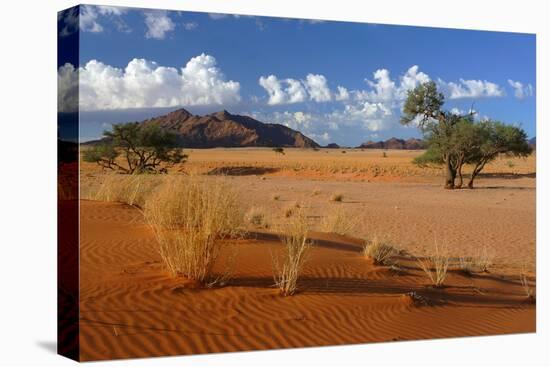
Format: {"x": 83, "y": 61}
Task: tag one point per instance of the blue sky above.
{"x": 334, "y": 81}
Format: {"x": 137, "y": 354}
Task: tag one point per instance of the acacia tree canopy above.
{"x": 454, "y": 140}
{"x": 144, "y": 148}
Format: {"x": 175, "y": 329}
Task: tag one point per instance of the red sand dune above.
{"x": 130, "y": 307}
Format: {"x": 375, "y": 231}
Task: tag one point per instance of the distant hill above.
{"x": 332, "y": 146}
{"x": 223, "y": 129}
{"x": 394, "y": 143}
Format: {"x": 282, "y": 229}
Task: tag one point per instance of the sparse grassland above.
{"x": 357, "y": 164}
{"x": 128, "y": 189}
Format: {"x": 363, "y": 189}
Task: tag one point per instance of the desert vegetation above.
{"x": 337, "y": 197}
{"x": 455, "y": 140}
{"x": 479, "y": 263}
{"x": 435, "y": 265}
{"x": 191, "y": 221}
{"x": 256, "y": 216}
{"x": 527, "y": 289}
{"x": 128, "y": 189}
{"x": 287, "y": 268}
{"x": 338, "y": 221}
{"x": 379, "y": 251}
{"x": 144, "y": 149}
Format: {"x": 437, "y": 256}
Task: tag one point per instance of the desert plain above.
{"x": 131, "y": 306}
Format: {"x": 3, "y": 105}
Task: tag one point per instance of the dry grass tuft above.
{"x": 529, "y": 292}
{"x": 316, "y": 192}
{"x": 479, "y": 263}
{"x": 129, "y": 189}
{"x": 275, "y": 197}
{"x": 338, "y": 221}
{"x": 380, "y": 252}
{"x": 289, "y": 210}
{"x": 287, "y": 270}
{"x": 337, "y": 197}
{"x": 435, "y": 266}
{"x": 256, "y": 216}
{"x": 191, "y": 219}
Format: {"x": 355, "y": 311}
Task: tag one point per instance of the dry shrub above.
{"x": 529, "y": 292}
{"x": 484, "y": 259}
{"x": 287, "y": 270}
{"x": 435, "y": 266}
{"x": 337, "y": 197}
{"x": 129, "y": 189}
{"x": 480, "y": 262}
{"x": 338, "y": 221}
{"x": 256, "y": 217}
{"x": 380, "y": 252}
{"x": 316, "y": 192}
{"x": 191, "y": 219}
{"x": 291, "y": 209}
{"x": 275, "y": 197}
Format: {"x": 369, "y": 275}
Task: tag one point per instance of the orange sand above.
{"x": 129, "y": 307}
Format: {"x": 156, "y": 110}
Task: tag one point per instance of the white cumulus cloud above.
{"x": 158, "y": 24}
{"x": 91, "y": 17}
{"x": 521, "y": 91}
{"x": 144, "y": 83}
{"x": 471, "y": 89}
{"x": 317, "y": 88}
{"x": 67, "y": 89}
{"x": 287, "y": 91}
{"x": 283, "y": 91}
{"x": 342, "y": 95}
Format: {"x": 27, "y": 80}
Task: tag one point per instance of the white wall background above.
{"x": 28, "y": 182}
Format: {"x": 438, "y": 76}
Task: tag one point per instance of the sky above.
{"x": 336, "y": 82}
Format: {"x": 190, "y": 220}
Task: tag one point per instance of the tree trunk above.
{"x": 471, "y": 182}
{"x": 475, "y": 172}
{"x": 460, "y": 180}
{"x": 450, "y": 174}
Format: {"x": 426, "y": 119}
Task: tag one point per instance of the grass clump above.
{"x": 337, "y": 197}
{"x": 275, "y": 197}
{"x": 338, "y": 222}
{"x": 479, "y": 263}
{"x": 128, "y": 189}
{"x": 378, "y": 251}
{"x": 256, "y": 217}
{"x": 191, "y": 218}
{"x": 527, "y": 289}
{"x": 435, "y": 266}
{"x": 289, "y": 210}
{"x": 287, "y": 270}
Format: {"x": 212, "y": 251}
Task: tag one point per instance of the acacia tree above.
{"x": 496, "y": 138}
{"x": 143, "y": 148}
{"x": 476, "y": 144}
{"x": 423, "y": 106}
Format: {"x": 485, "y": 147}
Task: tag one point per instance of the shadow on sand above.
{"x": 241, "y": 171}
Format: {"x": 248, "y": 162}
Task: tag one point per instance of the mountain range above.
{"x": 223, "y": 129}
{"x": 394, "y": 143}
